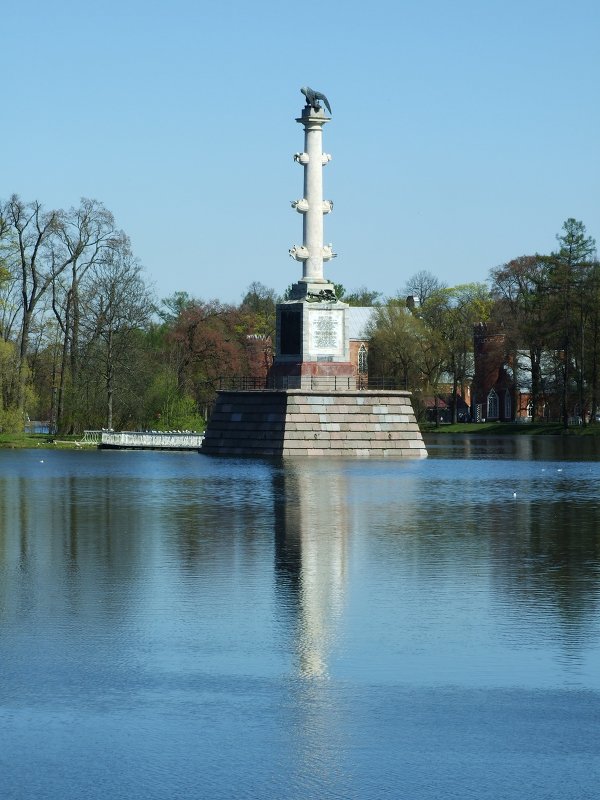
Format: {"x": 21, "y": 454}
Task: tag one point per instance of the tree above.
{"x": 39, "y": 261}
{"x": 568, "y": 269}
{"x": 172, "y": 306}
{"x": 449, "y": 315}
{"x": 422, "y": 285}
{"x": 11, "y": 418}
{"x": 9, "y": 280}
{"x": 520, "y": 291}
{"x": 86, "y": 236}
{"x": 395, "y": 350}
{"x": 592, "y": 338}
{"x": 260, "y": 305}
{"x": 361, "y": 297}
{"x": 117, "y": 309}
{"x": 207, "y": 342}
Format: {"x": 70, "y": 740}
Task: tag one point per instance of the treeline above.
{"x": 543, "y": 309}
{"x": 84, "y": 342}
{"x": 549, "y": 308}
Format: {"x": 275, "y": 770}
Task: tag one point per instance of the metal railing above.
{"x": 91, "y": 437}
{"x": 330, "y": 383}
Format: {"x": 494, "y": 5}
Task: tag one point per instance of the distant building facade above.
{"x": 502, "y": 388}
{"x": 358, "y": 319}
{"x": 493, "y": 389}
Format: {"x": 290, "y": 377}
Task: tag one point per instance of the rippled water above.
{"x": 178, "y": 626}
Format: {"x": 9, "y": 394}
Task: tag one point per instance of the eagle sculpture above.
{"x": 312, "y": 98}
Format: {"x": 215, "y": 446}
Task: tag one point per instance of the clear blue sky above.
{"x": 463, "y": 133}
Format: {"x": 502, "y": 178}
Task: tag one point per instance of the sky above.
{"x": 463, "y": 134}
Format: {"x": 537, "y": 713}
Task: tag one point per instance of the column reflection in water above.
{"x": 311, "y": 557}
{"x": 311, "y": 565}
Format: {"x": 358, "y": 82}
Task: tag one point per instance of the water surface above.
{"x": 179, "y": 626}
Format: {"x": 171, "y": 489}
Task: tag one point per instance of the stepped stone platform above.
{"x": 297, "y": 422}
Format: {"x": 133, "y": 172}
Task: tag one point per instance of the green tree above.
{"x": 449, "y": 315}
{"x": 259, "y": 304}
{"x": 520, "y": 291}
{"x": 167, "y": 408}
{"x": 569, "y": 267}
{"x": 171, "y": 307}
{"x": 362, "y": 297}
{"x": 592, "y": 338}
{"x": 11, "y": 417}
{"x": 395, "y": 349}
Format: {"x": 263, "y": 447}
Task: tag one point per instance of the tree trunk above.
{"x": 22, "y": 365}
{"x": 60, "y": 408}
{"x": 454, "y": 399}
{"x": 109, "y": 382}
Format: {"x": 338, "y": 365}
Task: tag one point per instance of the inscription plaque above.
{"x": 326, "y": 331}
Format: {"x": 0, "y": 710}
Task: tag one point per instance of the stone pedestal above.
{"x": 314, "y": 423}
{"x": 311, "y": 340}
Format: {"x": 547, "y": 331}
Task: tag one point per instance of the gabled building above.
{"x": 502, "y": 388}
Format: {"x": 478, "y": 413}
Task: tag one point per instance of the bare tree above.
{"x": 86, "y": 236}
{"x": 10, "y": 296}
{"x": 118, "y": 305}
{"x": 39, "y": 263}
{"x": 423, "y": 285}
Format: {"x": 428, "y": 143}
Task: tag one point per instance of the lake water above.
{"x": 179, "y": 626}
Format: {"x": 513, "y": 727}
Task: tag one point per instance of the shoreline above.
{"x": 510, "y": 429}
{"x": 15, "y": 441}
{"x": 34, "y": 441}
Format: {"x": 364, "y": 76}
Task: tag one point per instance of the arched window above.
{"x": 492, "y": 405}
{"x": 363, "y": 367}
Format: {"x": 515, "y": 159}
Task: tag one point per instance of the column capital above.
{"x": 312, "y": 119}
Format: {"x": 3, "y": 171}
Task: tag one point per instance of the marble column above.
{"x": 312, "y": 253}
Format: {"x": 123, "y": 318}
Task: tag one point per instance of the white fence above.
{"x": 152, "y": 440}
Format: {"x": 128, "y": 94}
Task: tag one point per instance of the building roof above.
{"x": 357, "y": 320}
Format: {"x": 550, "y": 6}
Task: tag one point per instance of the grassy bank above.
{"x": 20, "y": 440}
{"x": 513, "y": 429}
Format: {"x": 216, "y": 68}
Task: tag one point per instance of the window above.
{"x": 363, "y": 367}
{"x": 507, "y": 405}
{"x": 492, "y": 405}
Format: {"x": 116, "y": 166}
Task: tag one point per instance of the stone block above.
{"x": 380, "y": 409}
